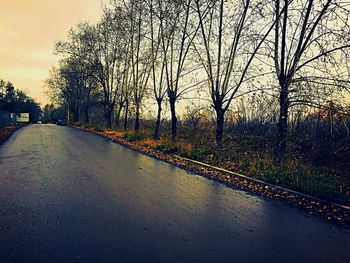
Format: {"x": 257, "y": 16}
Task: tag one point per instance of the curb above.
{"x": 264, "y": 183}
{"x": 329, "y": 211}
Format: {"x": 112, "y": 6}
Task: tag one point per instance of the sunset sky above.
{"x": 28, "y": 31}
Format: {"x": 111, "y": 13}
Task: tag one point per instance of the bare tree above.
{"x": 109, "y": 52}
{"x": 91, "y": 92}
{"x": 157, "y": 62}
{"x": 103, "y": 48}
{"x": 78, "y": 71}
{"x": 230, "y": 40}
{"x": 140, "y": 53}
{"x": 309, "y": 39}
{"x": 65, "y": 88}
{"x": 178, "y": 28}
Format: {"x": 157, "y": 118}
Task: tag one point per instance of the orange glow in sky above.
{"x": 28, "y": 31}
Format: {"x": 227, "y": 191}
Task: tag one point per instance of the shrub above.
{"x": 100, "y": 128}
{"x": 163, "y": 146}
{"x": 134, "y": 137}
{"x": 152, "y": 143}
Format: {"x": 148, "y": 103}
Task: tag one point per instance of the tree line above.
{"x": 293, "y": 55}
{"x": 17, "y": 101}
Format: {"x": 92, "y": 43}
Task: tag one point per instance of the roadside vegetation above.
{"x": 318, "y": 168}
{"x": 256, "y": 87}
{"x": 14, "y": 101}
{"x": 7, "y": 131}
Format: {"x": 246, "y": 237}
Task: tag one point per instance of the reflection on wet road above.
{"x": 71, "y": 196}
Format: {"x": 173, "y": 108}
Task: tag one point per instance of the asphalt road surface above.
{"x": 71, "y": 196}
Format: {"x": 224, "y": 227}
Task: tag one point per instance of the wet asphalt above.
{"x": 71, "y": 196}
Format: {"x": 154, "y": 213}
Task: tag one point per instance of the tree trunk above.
{"x": 281, "y": 146}
{"x": 156, "y": 135}
{"x": 117, "y": 119}
{"x": 137, "y": 118}
{"x": 220, "y": 121}
{"x": 76, "y": 116}
{"x": 316, "y": 135}
{"x": 331, "y": 129}
{"x": 87, "y": 117}
{"x": 68, "y": 116}
{"x": 109, "y": 120}
{"x": 172, "y": 102}
{"x": 126, "y": 115}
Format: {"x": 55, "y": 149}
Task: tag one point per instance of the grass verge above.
{"x": 166, "y": 151}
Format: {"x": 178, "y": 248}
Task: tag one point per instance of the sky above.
{"x": 28, "y": 31}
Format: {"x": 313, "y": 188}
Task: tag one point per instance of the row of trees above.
{"x": 17, "y": 101}
{"x": 295, "y": 52}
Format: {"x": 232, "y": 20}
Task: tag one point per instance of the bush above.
{"x": 163, "y": 147}
{"x": 100, "y": 128}
{"x": 152, "y": 143}
{"x": 134, "y": 137}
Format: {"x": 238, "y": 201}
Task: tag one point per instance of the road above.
{"x": 71, "y": 196}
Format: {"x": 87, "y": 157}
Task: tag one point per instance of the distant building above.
{"x": 22, "y": 117}
{"x": 5, "y": 118}
{"x": 13, "y": 118}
